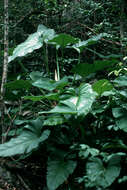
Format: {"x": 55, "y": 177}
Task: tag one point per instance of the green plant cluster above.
{"x": 77, "y": 122}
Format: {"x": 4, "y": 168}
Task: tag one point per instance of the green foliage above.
{"x": 27, "y": 141}
{"x": 83, "y": 44}
{"x": 19, "y": 84}
{"x": 49, "y": 84}
{"x": 80, "y": 120}
{"x": 100, "y": 176}
{"x": 80, "y": 103}
{"x": 121, "y": 118}
{"x": 86, "y": 151}
{"x": 54, "y": 120}
{"x": 102, "y": 86}
{"x": 58, "y": 172}
{"x": 34, "y": 41}
{"x": 84, "y": 69}
{"x": 63, "y": 40}
{"x": 121, "y": 81}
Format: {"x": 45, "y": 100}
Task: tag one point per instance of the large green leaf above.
{"x": 23, "y": 144}
{"x": 33, "y": 42}
{"x": 62, "y": 40}
{"x": 44, "y": 83}
{"x": 82, "y": 44}
{"x": 27, "y": 141}
{"x": 98, "y": 175}
{"x": 79, "y": 104}
{"x": 84, "y": 69}
{"x": 48, "y": 84}
{"x": 85, "y": 99}
{"x": 102, "y": 86}
{"x": 58, "y": 172}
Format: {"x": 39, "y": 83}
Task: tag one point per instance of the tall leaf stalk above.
{"x": 57, "y": 65}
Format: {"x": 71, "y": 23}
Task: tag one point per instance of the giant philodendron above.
{"x": 47, "y": 35}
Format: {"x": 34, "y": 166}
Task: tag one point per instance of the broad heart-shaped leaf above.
{"x": 58, "y": 172}
{"x": 84, "y": 69}
{"x": 79, "y": 104}
{"x": 82, "y": 44}
{"x": 33, "y": 42}
{"x": 102, "y": 86}
{"x": 23, "y": 144}
{"x": 27, "y": 141}
{"x": 62, "y": 40}
{"x": 48, "y": 84}
{"x": 85, "y": 99}
{"x": 97, "y": 175}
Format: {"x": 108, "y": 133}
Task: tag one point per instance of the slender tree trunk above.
{"x": 122, "y": 27}
{"x": 5, "y": 63}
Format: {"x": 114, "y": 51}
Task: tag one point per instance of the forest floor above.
{"x": 20, "y": 175}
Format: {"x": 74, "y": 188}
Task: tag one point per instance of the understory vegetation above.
{"x": 65, "y": 101}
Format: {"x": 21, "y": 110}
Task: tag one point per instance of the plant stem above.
{"x": 57, "y": 65}
{"x": 46, "y": 58}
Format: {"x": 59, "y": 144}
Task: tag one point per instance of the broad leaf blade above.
{"x": 84, "y": 69}
{"x": 62, "y": 40}
{"x": 79, "y": 104}
{"x": 48, "y": 84}
{"x": 65, "y": 107}
{"x": 28, "y": 141}
{"x": 58, "y": 172}
{"x": 85, "y": 99}
{"x": 99, "y": 175}
{"x": 33, "y": 42}
{"x": 102, "y": 86}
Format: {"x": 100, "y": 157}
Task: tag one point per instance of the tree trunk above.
{"x": 5, "y": 64}
{"x": 122, "y": 27}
